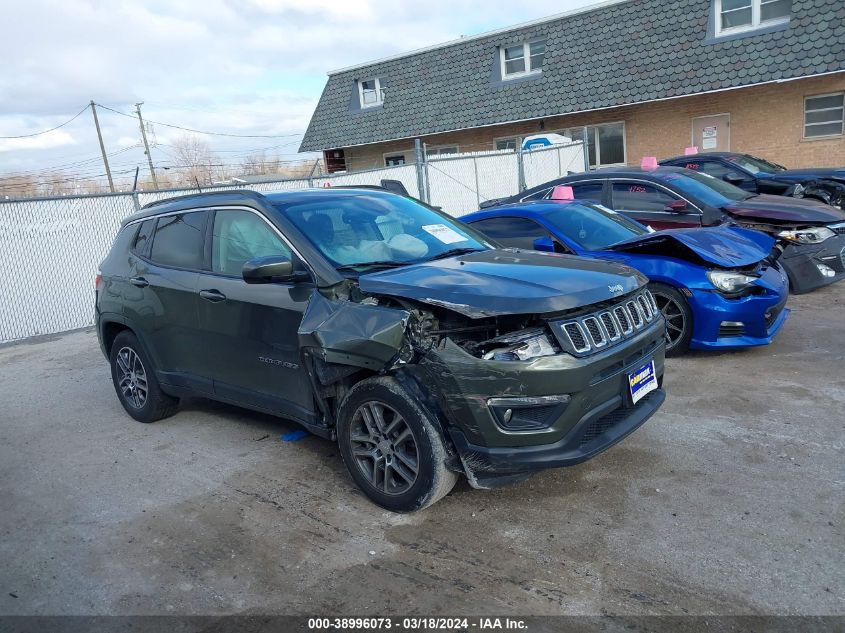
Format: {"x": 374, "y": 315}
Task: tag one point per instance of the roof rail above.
{"x": 248, "y": 192}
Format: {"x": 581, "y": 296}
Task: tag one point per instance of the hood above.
{"x": 802, "y": 175}
{"x": 500, "y": 282}
{"x": 785, "y": 210}
{"x": 726, "y": 247}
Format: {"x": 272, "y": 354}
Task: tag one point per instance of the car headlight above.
{"x": 533, "y": 347}
{"x": 729, "y": 282}
{"x": 814, "y": 235}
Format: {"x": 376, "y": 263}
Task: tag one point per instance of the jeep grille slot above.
{"x": 592, "y": 325}
{"x": 623, "y": 318}
{"x": 646, "y": 307}
{"x": 636, "y": 317}
{"x": 609, "y": 324}
{"x": 576, "y": 337}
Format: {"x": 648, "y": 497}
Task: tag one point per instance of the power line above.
{"x": 52, "y": 129}
{"x": 187, "y": 129}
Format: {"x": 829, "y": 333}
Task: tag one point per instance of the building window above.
{"x": 522, "y": 59}
{"x": 370, "y": 92}
{"x": 824, "y": 115}
{"x": 394, "y": 160}
{"x": 440, "y": 150}
{"x": 734, "y": 16}
{"x": 507, "y": 144}
{"x": 606, "y": 143}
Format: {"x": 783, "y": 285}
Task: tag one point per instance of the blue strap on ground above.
{"x": 294, "y": 436}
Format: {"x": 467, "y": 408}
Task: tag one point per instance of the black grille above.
{"x": 635, "y": 314}
{"x": 646, "y": 307}
{"x": 603, "y": 424}
{"x": 576, "y": 336}
{"x": 731, "y": 330}
{"x": 622, "y": 317}
{"x": 609, "y": 325}
{"x": 592, "y": 326}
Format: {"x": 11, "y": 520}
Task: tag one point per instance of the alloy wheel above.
{"x": 676, "y": 323}
{"x": 384, "y": 447}
{"x": 132, "y": 377}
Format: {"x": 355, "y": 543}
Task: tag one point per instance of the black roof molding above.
{"x": 613, "y": 54}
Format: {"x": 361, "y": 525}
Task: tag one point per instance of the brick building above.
{"x": 638, "y": 77}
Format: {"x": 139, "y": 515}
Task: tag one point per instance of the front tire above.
{"x": 135, "y": 382}
{"x": 678, "y": 317}
{"x": 395, "y": 454}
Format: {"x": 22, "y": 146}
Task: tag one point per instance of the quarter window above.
{"x": 639, "y": 196}
{"x": 824, "y": 115}
{"x": 239, "y": 236}
{"x": 142, "y": 239}
{"x": 370, "y": 92}
{"x": 522, "y": 59}
{"x": 743, "y": 15}
{"x": 178, "y": 240}
{"x": 512, "y": 232}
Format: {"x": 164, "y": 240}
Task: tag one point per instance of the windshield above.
{"x": 755, "y": 165}
{"x": 706, "y": 188}
{"x": 361, "y": 229}
{"x": 593, "y": 227}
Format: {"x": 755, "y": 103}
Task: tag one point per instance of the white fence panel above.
{"x": 543, "y": 165}
{"x": 49, "y": 254}
{"x": 406, "y": 174}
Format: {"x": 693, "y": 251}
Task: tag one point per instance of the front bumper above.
{"x": 801, "y": 263}
{"x": 597, "y": 386}
{"x": 723, "y": 323}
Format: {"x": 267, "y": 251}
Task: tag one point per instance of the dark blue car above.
{"x": 716, "y": 287}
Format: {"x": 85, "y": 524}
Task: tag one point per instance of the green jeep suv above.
{"x": 424, "y": 350}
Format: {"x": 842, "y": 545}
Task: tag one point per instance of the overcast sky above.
{"x": 238, "y": 66}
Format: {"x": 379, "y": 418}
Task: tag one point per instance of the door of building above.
{"x": 712, "y": 133}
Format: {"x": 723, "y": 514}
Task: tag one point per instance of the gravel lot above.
{"x": 729, "y": 501}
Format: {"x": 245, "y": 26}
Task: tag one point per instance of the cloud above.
{"x": 56, "y": 138}
{"x": 242, "y": 66}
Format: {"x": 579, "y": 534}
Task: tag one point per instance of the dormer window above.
{"x": 370, "y": 92}
{"x": 736, "y": 16}
{"x": 523, "y": 59}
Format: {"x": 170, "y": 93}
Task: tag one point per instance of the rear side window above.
{"x": 711, "y": 168}
{"x": 178, "y": 240}
{"x": 638, "y": 196}
{"x": 512, "y": 232}
{"x": 591, "y": 191}
{"x": 142, "y": 238}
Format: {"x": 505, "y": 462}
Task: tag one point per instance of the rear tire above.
{"x": 678, "y": 317}
{"x": 135, "y": 382}
{"x": 395, "y": 454}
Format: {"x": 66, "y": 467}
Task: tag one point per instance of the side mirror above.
{"x": 676, "y": 206}
{"x": 544, "y": 244}
{"x": 733, "y": 178}
{"x": 266, "y": 270}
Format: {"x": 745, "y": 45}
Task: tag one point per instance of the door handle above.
{"x": 139, "y": 282}
{"x": 214, "y": 296}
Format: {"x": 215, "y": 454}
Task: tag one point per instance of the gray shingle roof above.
{"x": 635, "y": 51}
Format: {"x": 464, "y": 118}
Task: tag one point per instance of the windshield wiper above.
{"x": 453, "y": 252}
{"x": 355, "y": 268}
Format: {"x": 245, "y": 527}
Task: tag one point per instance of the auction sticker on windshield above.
{"x": 642, "y": 382}
{"x": 444, "y": 233}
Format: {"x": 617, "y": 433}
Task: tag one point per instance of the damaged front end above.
{"x": 511, "y": 393}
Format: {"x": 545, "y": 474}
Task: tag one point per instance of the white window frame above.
{"x": 526, "y": 55}
{"x": 756, "y": 22}
{"x": 437, "y": 150}
{"x": 379, "y": 94}
{"x": 516, "y": 139}
{"x": 595, "y": 127}
{"x": 822, "y": 136}
{"x": 403, "y": 153}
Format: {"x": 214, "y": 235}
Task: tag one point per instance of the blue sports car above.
{"x": 716, "y": 287}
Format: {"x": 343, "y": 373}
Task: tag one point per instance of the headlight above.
{"x": 533, "y": 347}
{"x": 813, "y": 235}
{"x": 729, "y": 282}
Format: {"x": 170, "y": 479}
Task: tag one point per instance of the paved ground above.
{"x": 730, "y": 501}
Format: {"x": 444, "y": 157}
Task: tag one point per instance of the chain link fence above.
{"x": 50, "y": 248}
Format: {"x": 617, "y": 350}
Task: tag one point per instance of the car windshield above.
{"x": 755, "y": 165}
{"x": 706, "y": 188}
{"x": 593, "y": 227}
{"x": 363, "y": 229}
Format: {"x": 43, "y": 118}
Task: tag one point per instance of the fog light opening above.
{"x": 826, "y": 271}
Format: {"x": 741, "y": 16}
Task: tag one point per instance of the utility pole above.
{"x": 146, "y": 145}
{"x": 102, "y": 147}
